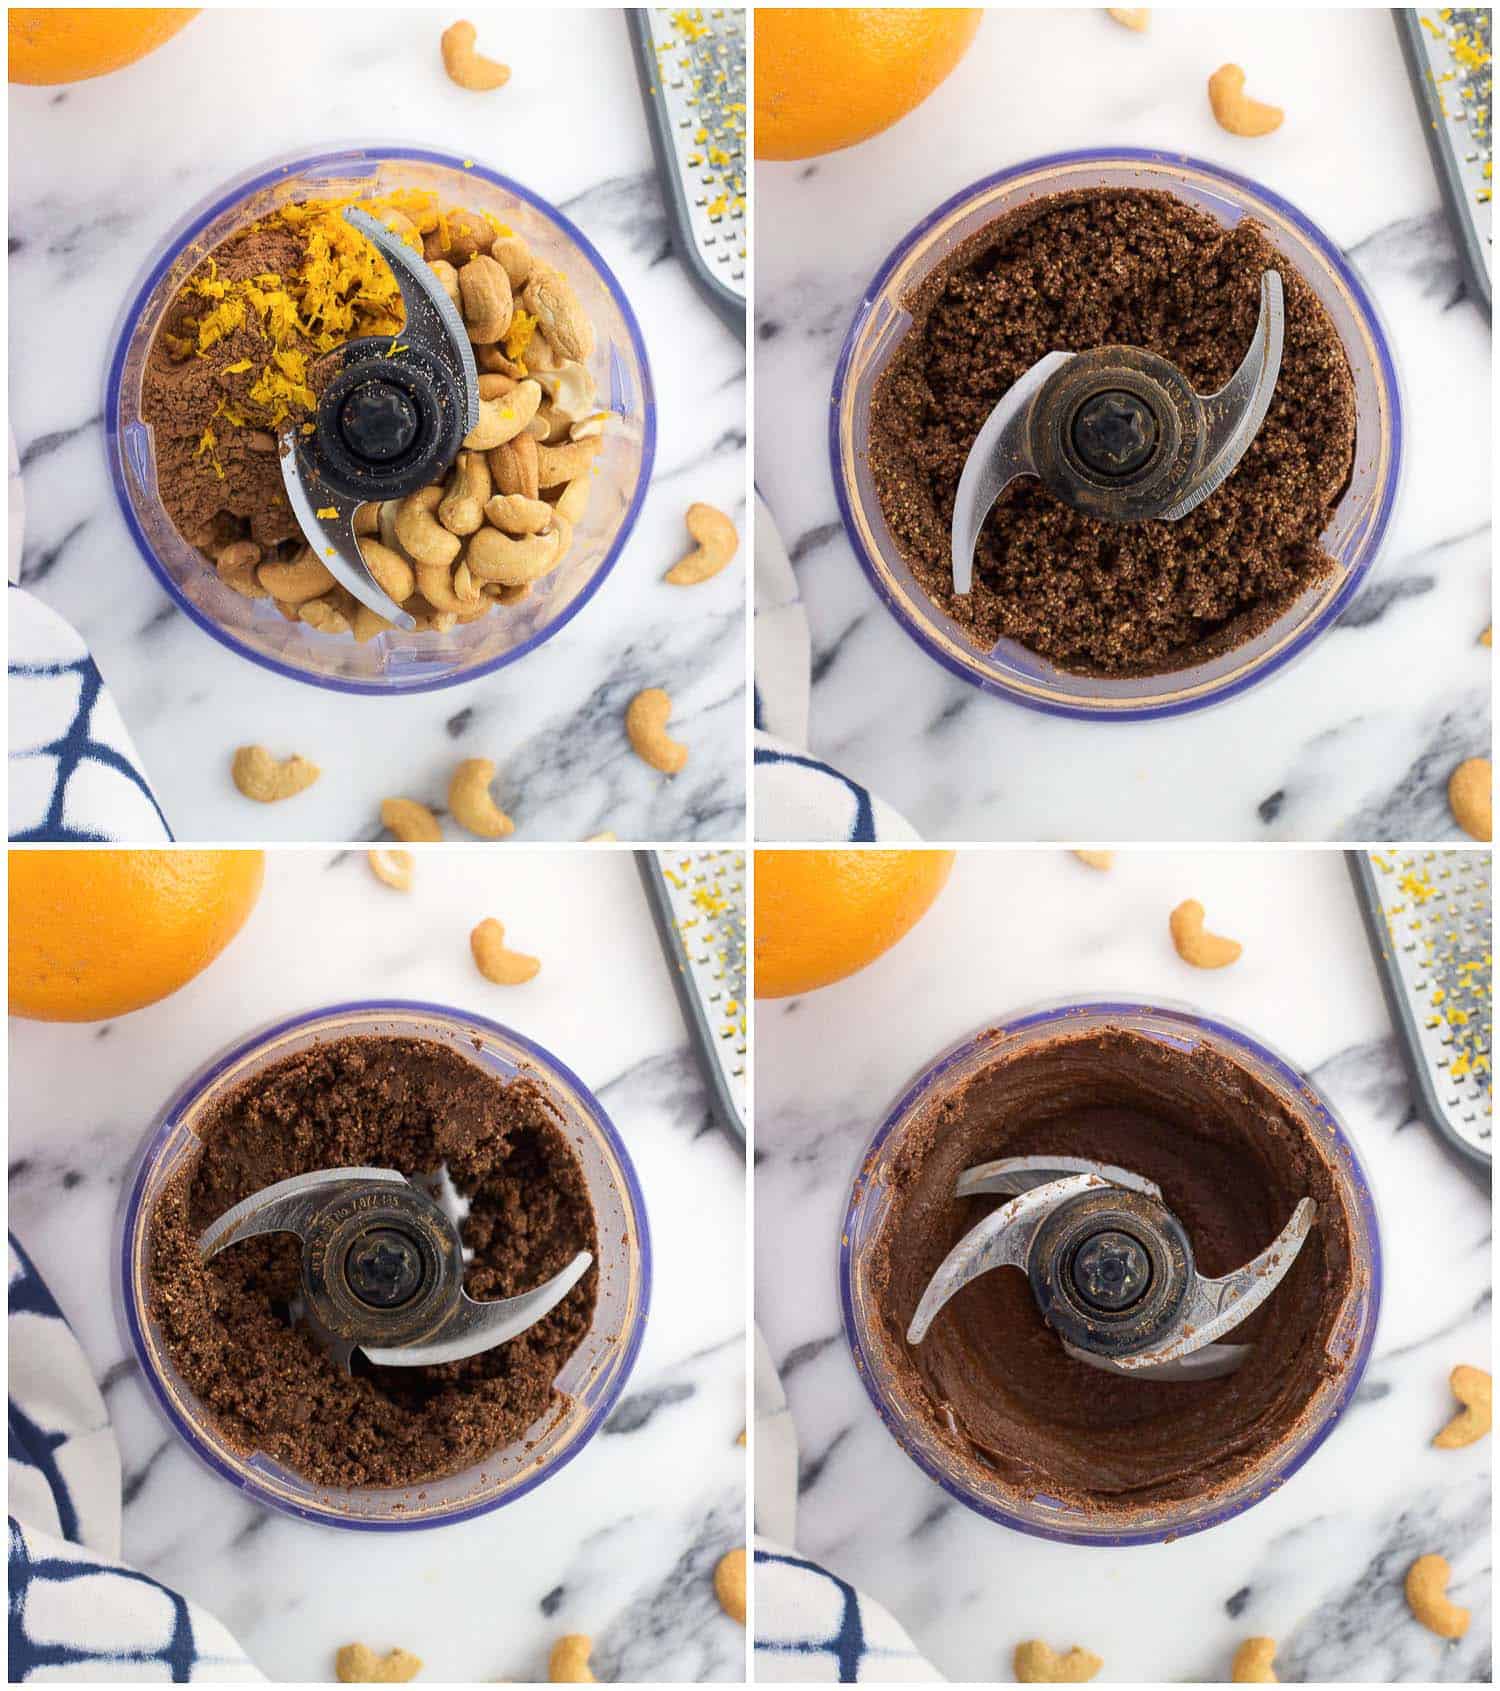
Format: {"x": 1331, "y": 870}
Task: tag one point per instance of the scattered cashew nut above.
{"x": 1255, "y": 1663}
{"x": 1195, "y": 944}
{"x": 1133, "y": 17}
{"x": 494, "y": 961}
{"x": 1472, "y": 1387}
{"x": 468, "y": 68}
{"x": 410, "y": 821}
{"x": 729, "y": 1585}
{"x": 1096, "y": 859}
{"x": 261, "y": 777}
{"x": 718, "y": 541}
{"x": 1037, "y": 1663}
{"x": 569, "y": 1662}
{"x": 357, "y": 1664}
{"x": 470, "y": 804}
{"x": 1471, "y": 799}
{"x": 646, "y": 719}
{"x": 1427, "y": 1597}
{"x": 1234, "y": 110}
{"x": 392, "y": 867}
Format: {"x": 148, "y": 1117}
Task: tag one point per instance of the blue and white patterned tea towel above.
{"x": 797, "y": 795}
{"x": 76, "y": 1612}
{"x": 74, "y": 773}
{"x": 811, "y": 1627}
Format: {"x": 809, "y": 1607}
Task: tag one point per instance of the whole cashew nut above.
{"x": 729, "y": 1585}
{"x": 261, "y": 777}
{"x": 718, "y": 541}
{"x": 514, "y": 467}
{"x": 504, "y": 418}
{"x": 357, "y": 1664}
{"x": 391, "y": 571}
{"x": 1427, "y": 1597}
{"x": 470, "y": 803}
{"x": 558, "y": 464}
{"x": 569, "y": 1662}
{"x": 569, "y": 389}
{"x": 446, "y": 591}
{"x": 495, "y": 962}
{"x": 514, "y": 257}
{"x": 1233, "y": 108}
{"x": 461, "y": 510}
{"x": 1096, "y": 859}
{"x": 368, "y": 624}
{"x": 513, "y": 513}
{"x": 1471, "y": 799}
{"x": 1133, "y": 17}
{"x": 514, "y": 561}
{"x": 236, "y": 565}
{"x": 392, "y": 867}
{"x": 646, "y": 719}
{"x": 325, "y": 616}
{"x": 1473, "y": 1388}
{"x": 305, "y": 577}
{"x": 1254, "y": 1663}
{"x": 1195, "y": 944}
{"x": 410, "y": 821}
{"x": 488, "y": 305}
{"x": 1036, "y": 1663}
{"x": 448, "y": 281}
{"x": 467, "y": 67}
{"x": 573, "y": 501}
{"x": 550, "y": 298}
{"x": 422, "y": 536}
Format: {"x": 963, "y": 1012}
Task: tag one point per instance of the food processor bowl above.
{"x": 1352, "y": 538}
{"x": 869, "y": 1204}
{"x": 395, "y": 662}
{"x": 590, "y": 1382}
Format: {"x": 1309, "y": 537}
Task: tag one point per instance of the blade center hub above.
{"x": 378, "y": 422}
{"x": 1111, "y": 1270}
{"x": 1115, "y": 433}
{"x": 383, "y": 1267}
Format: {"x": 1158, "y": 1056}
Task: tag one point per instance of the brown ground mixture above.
{"x": 1085, "y": 269}
{"x": 413, "y": 1105}
{"x": 234, "y": 491}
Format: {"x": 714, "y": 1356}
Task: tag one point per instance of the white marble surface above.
{"x": 1318, "y": 1565}
{"x": 1354, "y": 741}
{"x": 620, "y": 1544}
{"x": 100, "y": 171}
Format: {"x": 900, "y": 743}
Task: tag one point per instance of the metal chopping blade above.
{"x": 1118, "y": 433}
{"x": 1110, "y": 1267}
{"x": 382, "y": 1268}
{"x": 389, "y": 421}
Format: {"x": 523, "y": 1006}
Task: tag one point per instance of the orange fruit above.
{"x": 820, "y": 915}
{"x": 828, "y": 76}
{"x": 96, "y": 933}
{"x": 72, "y": 43}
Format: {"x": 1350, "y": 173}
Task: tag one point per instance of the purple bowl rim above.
{"x": 1235, "y": 1036}
{"x": 206, "y": 1076}
{"x": 264, "y": 175}
{"x": 1318, "y": 625}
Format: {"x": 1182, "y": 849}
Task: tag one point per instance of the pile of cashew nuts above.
{"x": 452, "y": 552}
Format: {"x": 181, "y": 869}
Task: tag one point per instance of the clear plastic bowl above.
{"x": 869, "y": 1202}
{"x": 395, "y": 662}
{"x": 1352, "y": 539}
{"x": 590, "y": 1382}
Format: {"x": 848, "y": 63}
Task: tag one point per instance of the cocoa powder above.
{"x": 411, "y": 1104}
{"x": 1085, "y": 269}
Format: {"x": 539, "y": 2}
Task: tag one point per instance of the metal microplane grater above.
{"x": 698, "y": 901}
{"x": 691, "y": 64}
{"x": 1448, "y": 59}
{"x": 1428, "y": 917}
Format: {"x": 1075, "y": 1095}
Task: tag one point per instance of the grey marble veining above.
{"x": 621, "y": 1544}
{"x": 1354, "y": 740}
{"x": 1318, "y": 1565}
{"x": 101, "y": 170}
